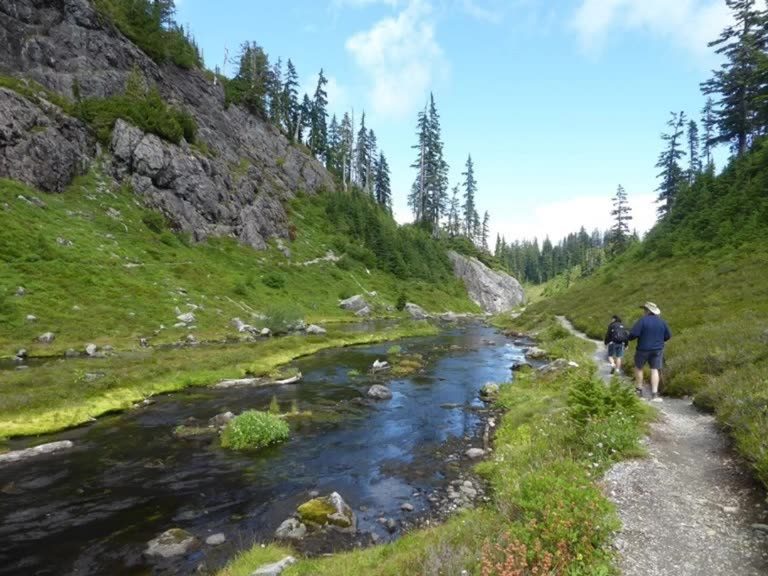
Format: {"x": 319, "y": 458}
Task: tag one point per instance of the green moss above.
{"x": 316, "y": 511}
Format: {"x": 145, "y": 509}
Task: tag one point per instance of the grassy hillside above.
{"x": 98, "y": 267}
{"x": 706, "y": 266}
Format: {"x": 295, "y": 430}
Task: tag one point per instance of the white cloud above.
{"x": 558, "y": 219}
{"x": 691, "y": 23}
{"x": 401, "y": 57}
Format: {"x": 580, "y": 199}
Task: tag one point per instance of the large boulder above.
{"x": 416, "y": 312}
{"x": 355, "y": 303}
{"x": 493, "y": 290}
{"x": 330, "y": 511}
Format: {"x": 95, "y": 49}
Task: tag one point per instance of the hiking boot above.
{"x": 613, "y": 369}
{"x": 656, "y": 398}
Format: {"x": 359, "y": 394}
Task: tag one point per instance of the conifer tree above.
{"x": 305, "y": 118}
{"x": 484, "y": 230}
{"x": 332, "y": 157}
{"x": 291, "y": 107}
{"x": 428, "y": 195}
{"x": 417, "y": 199}
{"x": 275, "y": 93}
{"x": 708, "y": 135}
{"x": 251, "y": 84}
{"x": 383, "y": 190}
{"x": 737, "y": 82}
{"x": 361, "y": 155}
{"x": 622, "y": 214}
{"x": 454, "y": 219}
{"x": 346, "y": 137}
{"x": 672, "y": 176}
{"x": 318, "y": 118}
{"x": 470, "y": 189}
{"x": 371, "y": 160}
{"x": 694, "y": 161}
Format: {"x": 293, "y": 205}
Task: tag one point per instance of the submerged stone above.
{"x": 173, "y": 542}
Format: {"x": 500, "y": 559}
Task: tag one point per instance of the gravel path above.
{"x": 690, "y": 508}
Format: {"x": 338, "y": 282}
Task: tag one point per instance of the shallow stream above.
{"x": 92, "y": 509}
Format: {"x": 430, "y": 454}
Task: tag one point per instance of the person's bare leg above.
{"x": 639, "y": 379}
{"x": 618, "y": 365}
{"x": 654, "y": 381}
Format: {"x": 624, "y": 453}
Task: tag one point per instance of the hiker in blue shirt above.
{"x": 651, "y": 333}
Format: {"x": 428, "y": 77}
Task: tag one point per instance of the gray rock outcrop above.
{"x": 494, "y": 291}
{"x": 237, "y": 187}
{"x": 39, "y": 144}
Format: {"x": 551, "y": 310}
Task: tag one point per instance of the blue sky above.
{"x": 557, "y": 101}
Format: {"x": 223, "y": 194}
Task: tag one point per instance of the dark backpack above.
{"x": 619, "y": 334}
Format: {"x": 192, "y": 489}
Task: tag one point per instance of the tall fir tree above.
{"x": 318, "y": 119}
{"x": 708, "y": 134}
{"x": 622, "y": 215}
{"x": 429, "y": 193}
{"x": 417, "y": 199}
{"x": 470, "y": 191}
{"x": 346, "y": 150}
{"x": 251, "y": 84}
{"x": 454, "y": 219}
{"x": 275, "y": 92}
{"x": 291, "y": 106}
{"x": 484, "y": 231}
{"x": 333, "y": 153}
{"x": 305, "y": 118}
{"x": 672, "y": 176}
{"x": 361, "y": 155}
{"x": 737, "y": 82}
{"x": 694, "y": 160}
{"x": 371, "y": 162}
{"x": 383, "y": 190}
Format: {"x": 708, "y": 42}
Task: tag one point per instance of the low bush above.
{"x": 252, "y": 430}
{"x": 148, "y": 112}
{"x": 282, "y": 319}
{"x": 273, "y": 280}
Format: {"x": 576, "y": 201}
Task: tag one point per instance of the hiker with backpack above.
{"x": 616, "y": 339}
{"x": 651, "y": 333}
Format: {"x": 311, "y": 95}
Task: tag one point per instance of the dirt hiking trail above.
{"x": 691, "y": 507}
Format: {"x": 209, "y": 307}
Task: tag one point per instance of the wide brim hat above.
{"x": 652, "y": 308}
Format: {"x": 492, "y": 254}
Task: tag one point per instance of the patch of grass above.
{"x": 121, "y": 280}
{"x": 34, "y": 92}
{"x": 59, "y": 394}
{"x": 253, "y": 430}
{"x": 558, "y": 433}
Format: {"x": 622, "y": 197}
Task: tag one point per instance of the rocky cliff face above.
{"x": 493, "y": 291}
{"x": 238, "y": 188}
